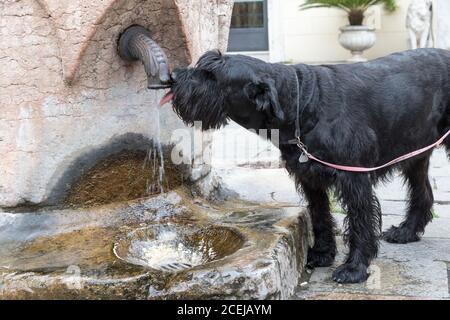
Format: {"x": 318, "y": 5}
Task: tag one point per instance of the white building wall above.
{"x": 312, "y": 35}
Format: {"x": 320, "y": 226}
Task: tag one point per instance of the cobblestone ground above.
{"x": 417, "y": 270}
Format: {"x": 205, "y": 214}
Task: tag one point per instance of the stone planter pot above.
{"x": 357, "y": 39}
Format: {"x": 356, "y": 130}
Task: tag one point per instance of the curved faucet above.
{"x": 135, "y": 43}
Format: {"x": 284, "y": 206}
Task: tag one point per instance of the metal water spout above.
{"x": 136, "y": 43}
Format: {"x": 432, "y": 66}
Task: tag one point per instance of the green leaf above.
{"x": 348, "y": 5}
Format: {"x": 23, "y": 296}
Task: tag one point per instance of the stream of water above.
{"x": 155, "y": 159}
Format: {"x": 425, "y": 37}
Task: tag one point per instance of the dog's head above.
{"x": 222, "y": 87}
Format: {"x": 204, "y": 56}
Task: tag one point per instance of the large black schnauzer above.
{"x": 363, "y": 114}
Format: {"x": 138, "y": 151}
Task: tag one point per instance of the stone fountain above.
{"x": 91, "y": 205}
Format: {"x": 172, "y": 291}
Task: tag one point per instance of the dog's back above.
{"x": 403, "y": 97}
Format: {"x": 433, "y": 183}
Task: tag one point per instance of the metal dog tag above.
{"x": 303, "y": 158}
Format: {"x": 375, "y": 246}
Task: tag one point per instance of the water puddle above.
{"x": 128, "y": 175}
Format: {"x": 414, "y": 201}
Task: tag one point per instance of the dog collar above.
{"x": 297, "y": 140}
{"x": 297, "y": 133}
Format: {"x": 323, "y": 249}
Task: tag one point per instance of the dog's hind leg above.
{"x": 446, "y": 126}
{"x": 363, "y": 226}
{"x": 324, "y": 250}
{"x": 447, "y": 146}
{"x": 419, "y": 205}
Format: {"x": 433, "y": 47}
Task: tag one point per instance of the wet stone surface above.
{"x": 108, "y": 252}
{"x": 126, "y": 175}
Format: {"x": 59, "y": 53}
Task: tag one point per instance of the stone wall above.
{"x": 64, "y": 91}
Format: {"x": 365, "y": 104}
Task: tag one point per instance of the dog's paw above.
{"x": 400, "y": 235}
{"x": 320, "y": 259}
{"x": 351, "y": 273}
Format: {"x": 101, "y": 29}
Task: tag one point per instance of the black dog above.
{"x": 363, "y": 114}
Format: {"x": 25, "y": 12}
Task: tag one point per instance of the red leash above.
{"x": 361, "y": 169}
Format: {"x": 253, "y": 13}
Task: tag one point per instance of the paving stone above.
{"x": 412, "y": 270}
{"x": 352, "y": 296}
{"x": 261, "y": 185}
{"x": 442, "y": 211}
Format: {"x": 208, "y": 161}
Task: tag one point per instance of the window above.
{"x": 248, "y": 30}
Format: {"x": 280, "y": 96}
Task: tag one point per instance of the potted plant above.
{"x": 355, "y": 37}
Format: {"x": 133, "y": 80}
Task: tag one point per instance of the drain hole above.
{"x": 173, "y": 248}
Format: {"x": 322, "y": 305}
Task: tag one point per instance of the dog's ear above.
{"x": 264, "y": 94}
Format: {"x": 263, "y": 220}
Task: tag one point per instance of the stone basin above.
{"x": 232, "y": 249}
{"x": 173, "y": 248}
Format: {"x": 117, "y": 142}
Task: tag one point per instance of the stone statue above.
{"x": 442, "y": 16}
{"x": 419, "y": 21}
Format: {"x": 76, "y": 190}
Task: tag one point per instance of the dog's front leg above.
{"x": 363, "y": 226}
{"x": 324, "y": 250}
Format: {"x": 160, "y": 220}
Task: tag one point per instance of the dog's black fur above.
{"x": 363, "y": 114}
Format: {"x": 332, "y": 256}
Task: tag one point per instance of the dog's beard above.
{"x": 202, "y": 101}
